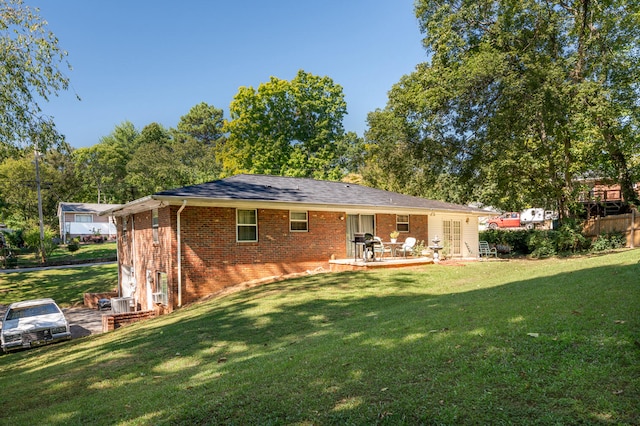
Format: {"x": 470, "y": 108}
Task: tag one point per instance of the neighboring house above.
{"x": 82, "y": 220}
{"x": 603, "y": 197}
{"x": 177, "y": 246}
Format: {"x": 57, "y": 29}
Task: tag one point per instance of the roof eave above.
{"x": 142, "y": 204}
{"x": 157, "y": 201}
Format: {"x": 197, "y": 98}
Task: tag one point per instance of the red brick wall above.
{"x": 149, "y": 256}
{"x": 112, "y": 321}
{"x": 91, "y": 299}
{"x": 212, "y": 259}
{"x": 418, "y": 227}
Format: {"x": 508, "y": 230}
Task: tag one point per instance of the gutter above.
{"x": 179, "y": 239}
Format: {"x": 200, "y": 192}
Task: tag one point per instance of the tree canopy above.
{"x": 289, "y": 128}
{"x": 31, "y": 64}
{"x": 518, "y": 101}
{"x": 102, "y": 167}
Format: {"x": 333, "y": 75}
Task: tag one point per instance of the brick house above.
{"x": 179, "y": 245}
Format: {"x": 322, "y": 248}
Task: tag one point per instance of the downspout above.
{"x": 179, "y": 239}
{"x": 133, "y": 260}
{"x": 118, "y": 245}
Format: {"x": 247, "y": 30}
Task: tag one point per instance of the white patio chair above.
{"x": 407, "y": 247}
{"x": 380, "y": 249}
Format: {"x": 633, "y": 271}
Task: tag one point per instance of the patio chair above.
{"x": 407, "y": 247}
{"x": 486, "y": 251}
{"x": 380, "y": 248}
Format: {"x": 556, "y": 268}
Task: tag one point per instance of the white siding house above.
{"x": 82, "y": 220}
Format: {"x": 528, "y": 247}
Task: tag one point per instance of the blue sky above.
{"x": 151, "y": 61}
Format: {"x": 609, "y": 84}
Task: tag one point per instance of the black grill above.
{"x": 38, "y": 336}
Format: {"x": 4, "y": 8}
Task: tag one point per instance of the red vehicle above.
{"x": 528, "y": 219}
{"x": 505, "y": 220}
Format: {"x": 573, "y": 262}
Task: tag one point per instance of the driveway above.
{"x": 84, "y": 321}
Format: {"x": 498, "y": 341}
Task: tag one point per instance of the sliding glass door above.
{"x": 358, "y": 223}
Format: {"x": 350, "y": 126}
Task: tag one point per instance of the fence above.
{"x": 627, "y": 224}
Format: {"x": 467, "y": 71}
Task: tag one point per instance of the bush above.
{"x": 606, "y": 242}
{"x": 618, "y": 240}
{"x": 32, "y": 240}
{"x": 73, "y": 246}
{"x": 419, "y": 247}
{"x": 516, "y": 240}
{"x": 15, "y": 238}
{"x": 543, "y": 244}
{"x": 570, "y": 238}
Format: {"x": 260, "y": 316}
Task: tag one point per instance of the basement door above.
{"x": 358, "y": 223}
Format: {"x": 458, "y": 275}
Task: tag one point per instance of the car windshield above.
{"x": 32, "y": 311}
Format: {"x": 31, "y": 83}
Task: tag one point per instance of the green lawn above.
{"x": 66, "y": 286}
{"x": 87, "y": 252}
{"x": 553, "y": 341}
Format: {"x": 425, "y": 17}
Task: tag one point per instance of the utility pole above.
{"x": 43, "y": 256}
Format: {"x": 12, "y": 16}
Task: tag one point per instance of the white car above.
{"x": 33, "y": 323}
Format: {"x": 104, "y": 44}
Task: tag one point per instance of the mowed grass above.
{"x": 64, "y": 285}
{"x": 520, "y": 342}
{"x": 86, "y": 252}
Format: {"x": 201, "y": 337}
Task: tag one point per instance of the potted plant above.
{"x": 394, "y": 236}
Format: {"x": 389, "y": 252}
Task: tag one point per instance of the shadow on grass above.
{"x": 358, "y": 348}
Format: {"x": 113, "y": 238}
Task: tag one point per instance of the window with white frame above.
{"x": 298, "y": 221}
{"x": 402, "y": 223}
{"x": 247, "y": 225}
{"x": 84, "y": 218}
{"x": 154, "y": 224}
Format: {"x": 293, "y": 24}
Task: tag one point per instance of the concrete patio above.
{"x": 352, "y": 264}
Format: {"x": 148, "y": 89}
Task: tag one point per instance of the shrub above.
{"x": 73, "y": 245}
{"x": 570, "y": 238}
{"x": 419, "y": 247}
{"x": 606, "y": 242}
{"x": 516, "y": 240}
{"x": 15, "y": 238}
{"x": 618, "y": 240}
{"x": 32, "y": 240}
{"x": 543, "y": 244}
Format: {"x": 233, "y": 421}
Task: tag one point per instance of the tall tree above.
{"x": 196, "y": 140}
{"x": 31, "y": 65}
{"x": 65, "y": 184}
{"x": 204, "y": 123}
{"x": 154, "y": 165}
{"x": 102, "y": 167}
{"x": 286, "y": 128}
{"x": 18, "y": 191}
{"x": 519, "y": 99}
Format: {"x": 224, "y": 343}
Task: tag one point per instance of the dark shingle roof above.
{"x": 262, "y": 188}
{"x": 86, "y": 207}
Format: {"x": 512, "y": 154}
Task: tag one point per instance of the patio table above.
{"x": 393, "y": 246}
